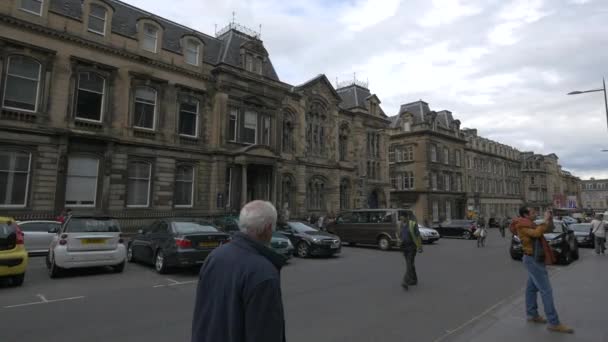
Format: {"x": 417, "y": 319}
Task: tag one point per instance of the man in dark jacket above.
{"x": 239, "y": 290}
{"x": 411, "y": 242}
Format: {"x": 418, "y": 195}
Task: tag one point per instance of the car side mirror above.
{"x": 53, "y": 230}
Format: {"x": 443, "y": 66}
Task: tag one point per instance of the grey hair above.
{"x": 256, "y": 215}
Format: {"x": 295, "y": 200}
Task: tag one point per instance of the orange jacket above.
{"x": 526, "y": 231}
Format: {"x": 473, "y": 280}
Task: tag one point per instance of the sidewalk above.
{"x": 580, "y": 297}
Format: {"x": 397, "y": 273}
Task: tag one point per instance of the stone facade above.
{"x": 594, "y": 194}
{"x": 110, "y": 109}
{"x": 493, "y": 177}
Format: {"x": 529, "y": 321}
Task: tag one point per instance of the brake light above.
{"x": 183, "y": 243}
{"x": 20, "y": 239}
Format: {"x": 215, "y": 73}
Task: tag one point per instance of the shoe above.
{"x": 560, "y": 328}
{"x": 537, "y": 319}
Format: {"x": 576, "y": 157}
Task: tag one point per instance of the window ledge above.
{"x": 187, "y": 140}
{"x": 86, "y": 124}
{"x": 144, "y": 133}
{"x": 17, "y": 115}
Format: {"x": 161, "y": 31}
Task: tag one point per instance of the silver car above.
{"x": 38, "y": 235}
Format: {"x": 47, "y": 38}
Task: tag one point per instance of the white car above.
{"x": 428, "y": 235}
{"x": 38, "y": 235}
{"x": 86, "y": 241}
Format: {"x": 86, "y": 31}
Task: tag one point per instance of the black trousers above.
{"x": 410, "y": 277}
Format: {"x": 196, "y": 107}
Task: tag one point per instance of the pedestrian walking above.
{"x": 502, "y": 226}
{"x": 411, "y": 243}
{"x": 481, "y": 233}
{"x": 533, "y": 244}
{"x": 598, "y": 229}
{"x": 238, "y": 296}
{"x": 321, "y": 222}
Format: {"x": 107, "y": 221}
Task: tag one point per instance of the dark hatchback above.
{"x": 562, "y": 242}
{"x": 456, "y": 228}
{"x": 582, "y": 231}
{"x": 309, "y": 241}
{"x": 175, "y": 243}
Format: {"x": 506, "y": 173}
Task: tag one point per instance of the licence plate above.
{"x": 93, "y": 241}
{"x": 208, "y": 244}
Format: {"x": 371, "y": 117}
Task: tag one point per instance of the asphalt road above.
{"x": 354, "y": 297}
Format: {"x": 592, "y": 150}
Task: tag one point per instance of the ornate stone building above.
{"x": 426, "y": 159}
{"x": 111, "y": 109}
{"x": 493, "y": 181}
{"x": 594, "y": 194}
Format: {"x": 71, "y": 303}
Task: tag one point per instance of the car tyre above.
{"x": 466, "y": 235}
{"x": 17, "y": 280}
{"x": 159, "y": 262}
{"x": 119, "y": 268}
{"x": 130, "y": 257}
{"x": 302, "y": 250}
{"x": 384, "y": 243}
{"x": 54, "y": 270}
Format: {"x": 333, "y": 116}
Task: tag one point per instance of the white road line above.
{"x": 159, "y": 286}
{"x": 44, "y": 302}
{"x": 42, "y": 298}
{"x": 173, "y": 281}
{"x": 183, "y": 283}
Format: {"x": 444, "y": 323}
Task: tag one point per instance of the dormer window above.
{"x": 407, "y": 126}
{"x": 192, "y": 52}
{"x": 97, "y": 19}
{"x": 32, "y": 6}
{"x": 150, "y": 38}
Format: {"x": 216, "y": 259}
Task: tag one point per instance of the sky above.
{"x": 501, "y": 66}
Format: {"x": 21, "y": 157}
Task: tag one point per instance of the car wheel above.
{"x": 159, "y": 262}
{"x": 466, "y": 235}
{"x": 119, "y": 268}
{"x": 384, "y": 243}
{"x": 17, "y": 280}
{"x": 303, "y": 250}
{"x": 130, "y": 257}
{"x": 54, "y": 270}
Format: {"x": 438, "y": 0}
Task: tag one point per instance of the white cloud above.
{"x": 513, "y": 16}
{"x": 444, "y": 12}
{"x": 367, "y": 13}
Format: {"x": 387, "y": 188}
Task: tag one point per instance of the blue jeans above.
{"x": 538, "y": 281}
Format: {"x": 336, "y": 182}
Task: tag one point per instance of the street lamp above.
{"x": 593, "y": 91}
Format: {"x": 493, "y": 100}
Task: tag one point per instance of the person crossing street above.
{"x": 411, "y": 243}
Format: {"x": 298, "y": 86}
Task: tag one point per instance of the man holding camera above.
{"x": 531, "y": 236}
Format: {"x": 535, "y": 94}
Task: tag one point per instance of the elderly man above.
{"x": 239, "y": 290}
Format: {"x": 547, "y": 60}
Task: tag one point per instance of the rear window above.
{"x": 92, "y": 225}
{"x": 193, "y": 227}
{"x": 8, "y": 236}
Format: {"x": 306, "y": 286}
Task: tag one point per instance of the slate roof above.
{"x": 225, "y": 49}
{"x": 354, "y": 96}
{"x": 419, "y": 110}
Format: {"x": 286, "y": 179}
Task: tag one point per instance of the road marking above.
{"x": 175, "y": 283}
{"x": 45, "y": 301}
{"x": 184, "y": 283}
{"x": 42, "y": 298}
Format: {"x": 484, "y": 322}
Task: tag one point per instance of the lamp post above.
{"x": 593, "y": 91}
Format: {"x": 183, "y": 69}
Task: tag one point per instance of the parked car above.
{"x": 428, "y": 235}
{"x": 457, "y": 228}
{"x": 309, "y": 241}
{"x": 369, "y": 226}
{"x": 38, "y": 235}
{"x": 227, "y": 224}
{"x": 13, "y": 256}
{"x": 86, "y": 241}
{"x": 175, "y": 242}
{"x": 562, "y": 242}
{"x": 282, "y": 245}
{"x": 582, "y": 231}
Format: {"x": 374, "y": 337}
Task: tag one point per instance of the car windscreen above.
{"x": 92, "y": 225}
{"x": 193, "y": 228}
{"x": 582, "y": 228}
{"x": 300, "y": 227}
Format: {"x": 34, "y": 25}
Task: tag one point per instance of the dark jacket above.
{"x": 410, "y": 236}
{"x": 238, "y": 297}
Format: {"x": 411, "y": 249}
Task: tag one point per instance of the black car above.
{"x": 562, "y": 242}
{"x": 582, "y": 231}
{"x": 456, "y": 228}
{"x": 175, "y": 242}
{"x": 309, "y": 241}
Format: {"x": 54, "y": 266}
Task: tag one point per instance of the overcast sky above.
{"x": 501, "y": 66}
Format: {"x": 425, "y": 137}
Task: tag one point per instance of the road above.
{"x": 354, "y": 297}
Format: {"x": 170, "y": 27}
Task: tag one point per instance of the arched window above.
{"x": 288, "y": 131}
{"x": 315, "y": 131}
{"x": 22, "y": 84}
{"x": 150, "y": 38}
{"x": 97, "y": 19}
{"x": 90, "y": 96}
{"x": 315, "y": 193}
{"x": 192, "y": 52}
{"x": 184, "y": 186}
{"x": 343, "y": 143}
{"x": 344, "y": 194}
{"x": 145, "y": 108}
